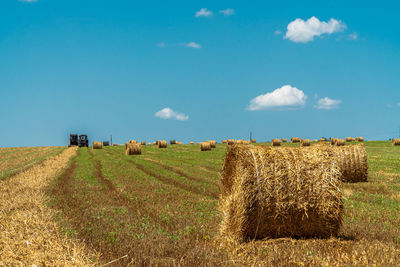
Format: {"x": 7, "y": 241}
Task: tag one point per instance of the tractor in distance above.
{"x": 80, "y": 141}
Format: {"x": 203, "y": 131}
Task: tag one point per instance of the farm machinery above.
{"x": 81, "y": 140}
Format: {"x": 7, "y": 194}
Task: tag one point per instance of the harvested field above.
{"x": 161, "y": 208}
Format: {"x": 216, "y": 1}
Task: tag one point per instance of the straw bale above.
{"x": 246, "y": 142}
{"x": 349, "y": 139}
{"x": 322, "y": 139}
{"x": 305, "y": 142}
{"x": 106, "y": 143}
{"x": 295, "y": 139}
{"x": 149, "y": 143}
{"x": 206, "y": 146}
{"x": 396, "y": 142}
{"x": 284, "y": 140}
{"x": 276, "y": 142}
{"x": 253, "y": 141}
{"x": 271, "y": 192}
{"x": 97, "y": 145}
{"x": 353, "y": 162}
{"x": 172, "y": 142}
{"x": 340, "y": 142}
{"x": 133, "y": 149}
{"x": 191, "y": 142}
{"x": 162, "y": 144}
{"x": 334, "y": 140}
{"x": 213, "y": 143}
{"x": 360, "y": 139}
{"x": 143, "y": 143}
{"x": 315, "y": 140}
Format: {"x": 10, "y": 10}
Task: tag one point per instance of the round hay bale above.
{"x": 97, "y": 145}
{"x": 315, "y": 140}
{"x": 172, "y": 142}
{"x": 322, "y": 139}
{"x": 115, "y": 145}
{"x": 284, "y": 140}
{"x": 191, "y": 142}
{"x": 262, "y": 195}
{"x": 149, "y": 143}
{"x": 333, "y": 141}
{"x": 253, "y": 141}
{"x": 305, "y": 142}
{"x": 276, "y": 142}
{"x": 340, "y": 142}
{"x": 133, "y": 149}
{"x": 162, "y": 144}
{"x": 353, "y": 163}
{"x": 396, "y": 142}
{"x": 213, "y": 143}
{"x": 230, "y": 141}
{"x": 106, "y": 143}
{"x": 349, "y": 139}
{"x": 246, "y": 142}
{"x": 206, "y": 146}
{"x": 295, "y": 140}
{"x": 143, "y": 143}
{"x": 360, "y": 139}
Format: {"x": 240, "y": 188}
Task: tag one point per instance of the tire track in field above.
{"x": 165, "y": 179}
{"x": 180, "y": 172}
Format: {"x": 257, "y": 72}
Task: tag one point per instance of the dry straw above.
{"x": 305, "y": 142}
{"x": 97, "y": 145}
{"x": 284, "y": 140}
{"x": 276, "y": 142}
{"x": 206, "y": 146}
{"x": 279, "y": 192}
{"x": 162, "y": 144}
{"x": 133, "y": 149}
{"x": 396, "y": 142}
{"x": 295, "y": 139}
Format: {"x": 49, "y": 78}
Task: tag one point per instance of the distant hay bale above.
{"x": 305, "y": 142}
{"x": 149, "y": 143}
{"x": 172, "y": 142}
{"x": 276, "y": 142}
{"x": 239, "y": 141}
{"x": 263, "y": 197}
{"x": 349, "y": 139}
{"x": 333, "y": 141}
{"x": 246, "y": 142}
{"x": 353, "y": 162}
{"x": 230, "y": 141}
{"x": 97, "y": 145}
{"x": 115, "y": 145}
{"x": 360, "y": 139}
{"x": 340, "y": 142}
{"x": 284, "y": 140}
{"x": 106, "y": 143}
{"x": 315, "y": 140}
{"x": 295, "y": 140}
{"x": 143, "y": 143}
{"x": 396, "y": 142}
{"x": 162, "y": 144}
{"x": 206, "y": 146}
{"x": 322, "y": 139}
{"x": 253, "y": 141}
{"x": 191, "y": 142}
{"x": 353, "y": 139}
{"x": 133, "y": 149}
{"x": 213, "y": 143}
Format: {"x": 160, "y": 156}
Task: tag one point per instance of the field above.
{"x": 161, "y": 208}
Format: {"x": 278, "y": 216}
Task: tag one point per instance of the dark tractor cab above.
{"x": 73, "y": 140}
{"x": 83, "y": 140}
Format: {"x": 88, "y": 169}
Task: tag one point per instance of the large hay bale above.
{"x": 360, "y": 139}
{"x": 162, "y": 144}
{"x": 396, "y": 142}
{"x": 213, "y": 143}
{"x": 279, "y": 192}
{"x": 172, "y": 142}
{"x": 133, "y": 141}
{"x": 106, "y": 143}
{"x": 340, "y": 142}
{"x": 97, "y": 145}
{"x": 206, "y": 146}
{"x": 295, "y": 140}
{"x": 231, "y": 141}
{"x": 276, "y": 142}
{"x": 133, "y": 149}
{"x": 353, "y": 162}
{"x": 284, "y": 140}
{"x": 305, "y": 142}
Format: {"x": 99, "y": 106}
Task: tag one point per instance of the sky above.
{"x": 197, "y": 70}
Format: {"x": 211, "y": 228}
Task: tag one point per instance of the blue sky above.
{"x": 197, "y": 70}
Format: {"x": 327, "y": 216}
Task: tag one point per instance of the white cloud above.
{"x": 28, "y": 1}
{"x": 327, "y": 103}
{"x": 167, "y": 114}
{"x": 285, "y": 97}
{"x": 300, "y": 31}
{"x": 353, "y": 36}
{"x": 193, "y": 45}
{"x": 228, "y": 12}
{"x": 204, "y": 12}
{"x": 277, "y": 32}
{"x": 162, "y": 44}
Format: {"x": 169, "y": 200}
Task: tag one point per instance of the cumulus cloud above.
{"x": 353, "y": 36}
{"x": 228, "y": 12}
{"x": 300, "y": 31}
{"x": 327, "y": 103}
{"x": 169, "y": 114}
{"x": 204, "y": 12}
{"x": 286, "y": 97}
{"x": 193, "y": 45}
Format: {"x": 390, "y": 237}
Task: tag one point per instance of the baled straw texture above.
{"x": 162, "y": 144}
{"x": 284, "y": 140}
{"x": 295, "y": 140}
{"x": 279, "y": 192}
{"x": 97, "y": 145}
{"x": 340, "y": 142}
{"x": 133, "y": 149}
{"x": 213, "y": 143}
{"x": 30, "y": 235}
{"x": 276, "y": 142}
{"x": 396, "y": 142}
{"x": 206, "y": 146}
{"x": 305, "y": 142}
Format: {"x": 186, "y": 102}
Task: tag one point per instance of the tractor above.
{"x": 81, "y": 141}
